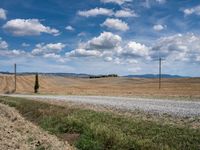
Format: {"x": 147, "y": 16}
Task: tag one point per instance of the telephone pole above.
{"x": 15, "y": 70}
{"x": 160, "y": 72}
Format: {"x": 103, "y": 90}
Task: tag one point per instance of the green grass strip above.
{"x": 106, "y": 131}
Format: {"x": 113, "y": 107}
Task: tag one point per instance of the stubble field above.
{"x": 120, "y": 86}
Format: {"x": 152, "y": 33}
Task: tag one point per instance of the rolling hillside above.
{"x": 120, "y": 86}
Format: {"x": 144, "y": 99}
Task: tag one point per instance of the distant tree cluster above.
{"x": 103, "y": 76}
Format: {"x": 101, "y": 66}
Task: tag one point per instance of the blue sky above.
{"x": 100, "y": 36}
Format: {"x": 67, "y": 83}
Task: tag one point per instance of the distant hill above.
{"x": 52, "y": 74}
{"x": 65, "y": 75}
{"x": 155, "y": 76}
{"x": 81, "y": 75}
{"x": 5, "y": 73}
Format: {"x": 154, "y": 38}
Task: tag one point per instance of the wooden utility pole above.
{"x": 160, "y": 72}
{"x": 15, "y": 70}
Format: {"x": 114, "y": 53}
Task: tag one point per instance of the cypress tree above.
{"x": 36, "y": 83}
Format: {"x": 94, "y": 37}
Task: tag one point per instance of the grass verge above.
{"x": 103, "y": 130}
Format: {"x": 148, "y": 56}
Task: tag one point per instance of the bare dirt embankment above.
{"x": 17, "y": 133}
{"x": 184, "y": 87}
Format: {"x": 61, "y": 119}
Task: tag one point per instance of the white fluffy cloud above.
{"x": 48, "y": 48}
{"x": 69, "y": 28}
{"x": 107, "y": 12}
{"x": 95, "y": 12}
{"x": 17, "y": 52}
{"x": 119, "y": 2}
{"x": 135, "y": 50}
{"x": 158, "y": 27}
{"x": 105, "y": 41}
{"x": 125, "y": 13}
{"x": 3, "y": 44}
{"x": 116, "y": 24}
{"x": 83, "y": 53}
{"x": 2, "y": 14}
{"x": 194, "y": 10}
{"x": 23, "y": 27}
{"x": 5, "y": 51}
{"x": 182, "y": 47}
{"x": 54, "y": 56}
{"x": 12, "y": 53}
{"x": 51, "y": 55}
{"x": 111, "y": 48}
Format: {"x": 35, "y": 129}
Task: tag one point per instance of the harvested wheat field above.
{"x": 120, "y": 86}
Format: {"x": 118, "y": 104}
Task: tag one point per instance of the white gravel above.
{"x": 158, "y": 106}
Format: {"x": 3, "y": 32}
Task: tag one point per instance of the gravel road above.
{"x": 158, "y": 106}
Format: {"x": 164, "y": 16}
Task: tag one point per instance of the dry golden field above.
{"x": 185, "y": 87}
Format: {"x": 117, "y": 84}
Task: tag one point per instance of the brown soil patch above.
{"x": 17, "y": 133}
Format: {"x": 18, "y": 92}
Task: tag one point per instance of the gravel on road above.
{"x": 154, "y": 106}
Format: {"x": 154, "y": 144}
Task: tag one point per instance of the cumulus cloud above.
{"x": 119, "y": 2}
{"x": 12, "y": 53}
{"x": 52, "y": 55}
{"x": 5, "y": 51}
{"x": 83, "y": 53}
{"x": 3, "y": 44}
{"x": 194, "y": 10}
{"x": 100, "y": 46}
{"x": 107, "y": 12}
{"x": 115, "y": 24}
{"x": 48, "y": 48}
{"x": 135, "y": 50}
{"x": 69, "y": 28}
{"x": 105, "y": 41}
{"x": 17, "y": 52}
{"x": 2, "y": 14}
{"x": 125, "y": 13}
{"x": 95, "y": 12}
{"x": 23, "y": 27}
{"x": 181, "y": 47}
{"x": 111, "y": 48}
{"x": 49, "y": 51}
{"x": 159, "y": 27}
